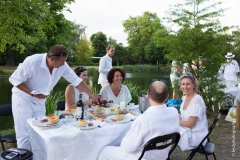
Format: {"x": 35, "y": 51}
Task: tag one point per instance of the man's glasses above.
{"x": 64, "y": 54}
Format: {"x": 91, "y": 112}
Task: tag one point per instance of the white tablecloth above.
{"x": 86, "y": 145}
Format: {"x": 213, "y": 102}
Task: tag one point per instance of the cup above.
{"x": 107, "y": 111}
{"x": 122, "y": 105}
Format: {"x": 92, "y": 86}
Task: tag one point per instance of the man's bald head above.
{"x": 158, "y": 91}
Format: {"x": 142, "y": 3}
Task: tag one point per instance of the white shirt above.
{"x": 105, "y": 65}
{"x": 155, "y": 121}
{"x": 124, "y": 95}
{"x": 230, "y": 70}
{"x": 85, "y": 97}
{"x": 196, "y": 108}
{"x": 34, "y": 73}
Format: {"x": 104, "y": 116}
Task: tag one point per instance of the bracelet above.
{"x": 92, "y": 95}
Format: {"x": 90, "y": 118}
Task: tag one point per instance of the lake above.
{"x": 141, "y": 79}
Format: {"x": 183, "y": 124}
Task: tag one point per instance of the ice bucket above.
{"x": 143, "y": 103}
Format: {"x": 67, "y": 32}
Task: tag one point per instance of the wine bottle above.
{"x": 81, "y": 105}
{"x": 139, "y": 93}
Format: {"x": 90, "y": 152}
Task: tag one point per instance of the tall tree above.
{"x": 141, "y": 30}
{"x": 84, "y": 51}
{"x": 23, "y": 22}
{"x": 201, "y": 42}
{"x": 99, "y": 43}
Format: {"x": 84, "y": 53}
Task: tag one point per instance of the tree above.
{"x": 201, "y": 42}
{"x": 84, "y": 51}
{"x": 24, "y": 22}
{"x": 141, "y": 30}
{"x": 99, "y": 43}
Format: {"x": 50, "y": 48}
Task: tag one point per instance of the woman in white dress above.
{"x": 193, "y": 111}
{"x": 115, "y": 90}
{"x": 72, "y": 93}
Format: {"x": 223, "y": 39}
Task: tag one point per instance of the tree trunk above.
{"x": 9, "y": 57}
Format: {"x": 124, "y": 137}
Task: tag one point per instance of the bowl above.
{"x": 82, "y": 123}
{"x": 119, "y": 117}
{"x": 69, "y": 111}
{"x": 53, "y": 119}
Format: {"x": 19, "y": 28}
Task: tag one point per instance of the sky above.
{"x": 107, "y": 15}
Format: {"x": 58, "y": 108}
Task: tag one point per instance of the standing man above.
{"x": 39, "y": 72}
{"x": 230, "y": 68}
{"x": 157, "y": 120}
{"x": 105, "y": 65}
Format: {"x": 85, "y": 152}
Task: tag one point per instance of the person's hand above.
{"x": 96, "y": 97}
{"x": 39, "y": 96}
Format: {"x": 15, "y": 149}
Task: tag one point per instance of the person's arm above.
{"x": 189, "y": 123}
{"x": 24, "y": 88}
{"x": 70, "y": 97}
{"x": 84, "y": 88}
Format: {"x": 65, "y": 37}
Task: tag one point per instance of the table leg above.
{"x": 238, "y": 115}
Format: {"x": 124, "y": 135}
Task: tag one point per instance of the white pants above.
{"x": 116, "y": 153}
{"x": 22, "y": 110}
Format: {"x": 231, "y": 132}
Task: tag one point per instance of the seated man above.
{"x": 157, "y": 120}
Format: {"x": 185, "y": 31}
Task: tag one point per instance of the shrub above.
{"x": 52, "y": 100}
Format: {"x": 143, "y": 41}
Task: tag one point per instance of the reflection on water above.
{"x": 141, "y": 79}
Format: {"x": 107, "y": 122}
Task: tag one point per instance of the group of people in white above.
{"x": 42, "y": 71}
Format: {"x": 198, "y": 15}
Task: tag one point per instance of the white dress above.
{"x": 124, "y": 95}
{"x": 196, "y": 108}
{"x": 85, "y": 97}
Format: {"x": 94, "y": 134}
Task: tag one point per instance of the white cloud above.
{"x": 107, "y": 15}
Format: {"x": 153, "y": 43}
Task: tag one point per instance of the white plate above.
{"x": 95, "y": 124}
{"x": 132, "y": 107}
{"x": 125, "y": 119}
{"x": 36, "y": 122}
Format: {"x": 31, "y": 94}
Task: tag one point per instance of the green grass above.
{"x": 52, "y": 100}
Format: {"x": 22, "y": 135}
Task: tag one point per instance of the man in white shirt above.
{"x": 39, "y": 72}
{"x": 230, "y": 69}
{"x": 105, "y": 65}
{"x": 157, "y": 120}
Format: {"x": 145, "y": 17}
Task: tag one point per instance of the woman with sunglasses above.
{"x": 193, "y": 111}
{"x": 72, "y": 93}
{"x": 115, "y": 90}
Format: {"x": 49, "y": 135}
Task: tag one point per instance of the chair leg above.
{"x": 206, "y": 156}
{"x": 191, "y": 155}
{"x": 3, "y": 148}
{"x": 214, "y": 156}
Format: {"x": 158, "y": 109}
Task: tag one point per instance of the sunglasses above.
{"x": 64, "y": 54}
{"x": 82, "y": 69}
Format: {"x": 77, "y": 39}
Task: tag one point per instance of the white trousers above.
{"x": 22, "y": 110}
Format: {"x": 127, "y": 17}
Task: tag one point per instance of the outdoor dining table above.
{"x": 236, "y": 92}
{"x": 49, "y": 144}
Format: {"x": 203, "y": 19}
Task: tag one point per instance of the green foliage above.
{"x": 139, "y": 68}
{"x": 92, "y": 70}
{"x": 84, "y": 51}
{"x": 8, "y": 131}
{"x": 201, "y": 42}
{"x": 133, "y": 90}
{"x": 141, "y": 30}
{"x": 52, "y": 100}
{"x": 99, "y": 43}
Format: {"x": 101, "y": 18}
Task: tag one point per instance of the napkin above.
{"x": 102, "y": 123}
{"x": 39, "y": 92}
{"x": 67, "y": 132}
{"x": 131, "y": 116}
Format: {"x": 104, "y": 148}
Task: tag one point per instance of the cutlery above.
{"x": 99, "y": 126}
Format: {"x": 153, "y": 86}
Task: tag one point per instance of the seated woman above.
{"x": 193, "y": 111}
{"x": 72, "y": 93}
{"x": 115, "y": 90}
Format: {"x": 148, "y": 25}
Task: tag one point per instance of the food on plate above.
{"x": 98, "y": 109}
{"x": 69, "y": 111}
{"x": 98, "y": 117}
{"x": 44, "y": 120}
{"x": 119, "y": 117}
{"x": 90, "y": 124}
{"x": 82, "y": 123}
{"x": 53, "y": 119}
{"x": 114, "y": 120}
